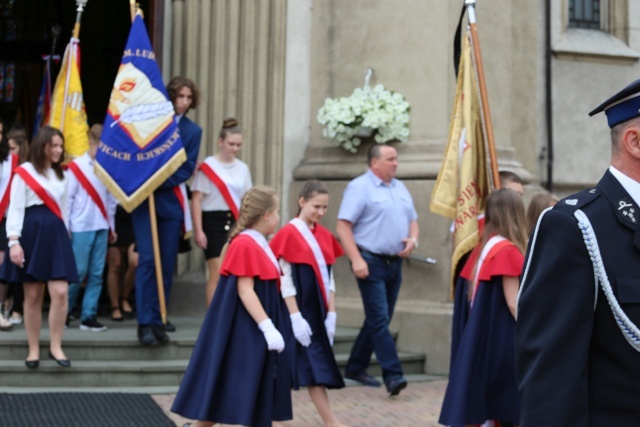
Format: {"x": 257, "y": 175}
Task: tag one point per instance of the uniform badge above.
{"x": 571, "y": 202}
{"x": 628, "y": 211}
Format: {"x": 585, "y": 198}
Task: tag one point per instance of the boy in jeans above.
{"x": 91, "y": 210}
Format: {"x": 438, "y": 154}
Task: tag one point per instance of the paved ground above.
{"x": 416, "y": 406}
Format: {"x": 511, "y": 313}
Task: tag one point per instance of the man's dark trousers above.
{"x": 379, "y": 294}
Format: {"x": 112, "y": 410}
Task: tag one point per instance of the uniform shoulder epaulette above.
{"x": 578, "y": 200}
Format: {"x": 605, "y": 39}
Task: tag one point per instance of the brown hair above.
{"x": 504, "y": 215}
{"x": 538, "y": 203}
{"x": 177, "y": 83}
{"x": 20, "y": 138}
{"x": 95, "y": 132}
{"x": 310, "y": 189}
{"x": 507, "y": 177}
{"x": 38, "y": 154}
{"x": 256, "y": 202}
{"x": 229, "y": 126}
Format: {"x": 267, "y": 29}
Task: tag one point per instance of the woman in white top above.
{"x": 39, "y": 244}
{"x": 217, "y": 189}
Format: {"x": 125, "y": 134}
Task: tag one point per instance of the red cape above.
{"x": 245, "y": 258}
{"x": 507, "y": 261}
{"x": 289, "y": 244}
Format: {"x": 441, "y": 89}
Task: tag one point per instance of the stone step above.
{"x": 119, "y": 342}
{"x": 114, "y": 358}
{"x": 134, "y": 373}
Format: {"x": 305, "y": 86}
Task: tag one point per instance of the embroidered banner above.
{"x": 140, "y": 145}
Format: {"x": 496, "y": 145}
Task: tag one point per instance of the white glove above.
{"x": 271, "y": 335}
{"x": 301, "y": 329}
{"x": 330, "y": 325}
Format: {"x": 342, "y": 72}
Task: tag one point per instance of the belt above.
{"x": 385, "y": 257}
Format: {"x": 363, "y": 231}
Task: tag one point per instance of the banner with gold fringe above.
{"x": 463, "y": 181}
{"x": 140, "y": 145}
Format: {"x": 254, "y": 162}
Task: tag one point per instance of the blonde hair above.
{"x": 539, "y": 203}
{"x": 256, "y": 202}
{"x": 504, "y": 215}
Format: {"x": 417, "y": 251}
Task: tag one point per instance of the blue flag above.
{"x": 44, "y": 100}
{"x": 140, "y": 145}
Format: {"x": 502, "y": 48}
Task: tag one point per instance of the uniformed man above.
{"x": 170, "y": 216}
{"x": 577, "y": 342}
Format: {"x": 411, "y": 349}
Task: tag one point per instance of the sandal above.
{"x": 116, "y": 319}
{"x": 128, "y": 314}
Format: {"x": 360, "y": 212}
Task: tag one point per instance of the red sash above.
{"x": 40, "y": 191}
{"x": 187, "y": 225}
{"x": 90, "y": 189}
{"x": 222, "y": 187}
{"x": 4, "y": 203}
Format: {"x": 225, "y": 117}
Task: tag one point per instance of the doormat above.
{"x": 80, "y": 410}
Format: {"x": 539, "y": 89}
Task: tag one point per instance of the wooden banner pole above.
{"x": 484, "y": 98}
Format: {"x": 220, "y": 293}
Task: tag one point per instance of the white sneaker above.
{"x": 5, "y": 325}
{"x": 16, "y": 318}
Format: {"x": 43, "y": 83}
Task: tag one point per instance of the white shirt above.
{"x": 83, "y": 213}
{"x": 239, "y": 183}
{"x": 22, "y": 197}
{"x": 630, "y": 185}
{"x": 288, "y": 288}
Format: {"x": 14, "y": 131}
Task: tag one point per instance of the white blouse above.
{"x": 239, "y": 183}
{"x": 22, "y": 197}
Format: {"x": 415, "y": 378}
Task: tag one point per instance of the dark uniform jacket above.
{"x": 575, "y": 367}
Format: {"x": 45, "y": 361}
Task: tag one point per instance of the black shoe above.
{"x": 32, "y": 364}
{"x": 146, "y": 336}
{"x": 363, "y": 378}
{"x": 92, "y": 324}
{"x": 65, "y": 363}
{"x": 159, "y": 333}
{"x": 395, "y": 385}
{"x": 169, "y": 327}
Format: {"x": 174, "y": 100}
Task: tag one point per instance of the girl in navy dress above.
{"x": 238, "y": 372}
{"x": 307, "y": 252}
{"x": 482, "y": 382}
{"x": 39, "y": 244}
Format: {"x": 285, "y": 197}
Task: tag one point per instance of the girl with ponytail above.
{"x": 220, "y": 182}
{"x": 238, "y": 372}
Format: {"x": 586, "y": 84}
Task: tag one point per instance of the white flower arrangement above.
{"x": 384, "y": 111}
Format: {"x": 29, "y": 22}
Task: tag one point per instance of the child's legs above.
{"x": 320, "y": 399}
{"x": 95, "y": 268}
{"x": 81, "y": 245}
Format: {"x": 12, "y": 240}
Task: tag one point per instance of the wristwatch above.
{"x": 415, "y": 242}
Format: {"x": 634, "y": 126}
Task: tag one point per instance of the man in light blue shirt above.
{"x": 378, "y": 227}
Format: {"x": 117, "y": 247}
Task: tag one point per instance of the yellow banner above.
{"x": 67, "y": 104}
{"x": 463, "y": 181}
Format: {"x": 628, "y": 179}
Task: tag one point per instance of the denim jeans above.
{"x": 379, "y": 293}
{"x": 90, "y": 251}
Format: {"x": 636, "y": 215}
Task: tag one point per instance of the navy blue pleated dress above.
{"x": 314, "y": 365}
{"x": 44, "y": 237}
{"x": 482, "y": 381}
{"x": 232, "y": 378}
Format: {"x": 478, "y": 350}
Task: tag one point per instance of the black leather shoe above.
{"x": 395, "y": 385}
{"x": 32, "y": 364}
{"x": 363, "y": 378}
{"x": 146, "y": 336}
{"x": 159, "y": 333}
{"x": 169, "y": 327}
{"x": 65, "y": 363}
